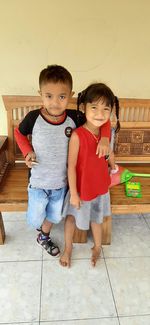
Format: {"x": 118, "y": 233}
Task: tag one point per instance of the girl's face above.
{"x": 97, "y": 113}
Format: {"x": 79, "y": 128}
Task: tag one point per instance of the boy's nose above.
{"x": 55, "y": 102}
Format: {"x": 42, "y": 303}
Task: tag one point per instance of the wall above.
{"x": 96, "y": 40}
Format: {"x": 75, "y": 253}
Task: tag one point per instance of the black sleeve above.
{"x": 77, "y": 116}
{"x": 26, "y": 126}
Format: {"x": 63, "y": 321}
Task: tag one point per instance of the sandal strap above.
{"x": 50, "y": 246}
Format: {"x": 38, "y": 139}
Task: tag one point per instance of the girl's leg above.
{"x": 97, "y": 237}
{"x": 65, "y": 259}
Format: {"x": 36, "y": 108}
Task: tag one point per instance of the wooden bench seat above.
{"x": 132, "y": 146}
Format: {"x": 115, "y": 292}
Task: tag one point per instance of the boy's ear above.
{"x": 39, "y": 92}
{"x": 72, "y": 93}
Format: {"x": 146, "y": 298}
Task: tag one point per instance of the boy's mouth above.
{"x": 55, "y": 115}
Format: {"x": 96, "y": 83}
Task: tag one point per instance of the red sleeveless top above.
{"x": 92, "y": 172}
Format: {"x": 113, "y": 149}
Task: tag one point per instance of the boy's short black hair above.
{"x": 55, "y": 73}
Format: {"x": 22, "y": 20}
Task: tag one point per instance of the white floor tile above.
{"x": 20, "y": 291}
{"x": 14, "y": 216}
{"x": 130, "y": 280}
{"x": 147, "y": 218}
{"x": 22, "y": 323}
{"x": 126, "y": 216}
{"x": 20, "y": 243}
{"x": 135, "y": 320}
{"x": 130, "y": 237}
{"x": 77, "y": 293}
{"x": 100, "y": 321}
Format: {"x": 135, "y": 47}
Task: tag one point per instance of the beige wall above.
{"x": 96, "y": 40}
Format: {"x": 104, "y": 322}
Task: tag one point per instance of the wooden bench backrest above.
{"x": 132, "y": 142}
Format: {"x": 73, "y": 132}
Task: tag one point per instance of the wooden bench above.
{"x": 132, "y": 149}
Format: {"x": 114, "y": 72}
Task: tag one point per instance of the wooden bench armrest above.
{"x": 3, "y": 143}
{"x": 3, "y": 156}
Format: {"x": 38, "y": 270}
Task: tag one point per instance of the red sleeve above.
{"x": 23, "y": 142}
{"x": 106, "y": 129}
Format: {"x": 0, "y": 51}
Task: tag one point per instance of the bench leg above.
{"x": 106, "y": 231}
{"x": 80, "y": 236}
{"x": 2, "y": 230}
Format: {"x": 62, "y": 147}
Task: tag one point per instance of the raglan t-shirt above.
{"x": 50, "y": 144}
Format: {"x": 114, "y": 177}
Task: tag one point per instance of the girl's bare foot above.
{"x": 65, "y": 259}
{"x": 95, "y": 255}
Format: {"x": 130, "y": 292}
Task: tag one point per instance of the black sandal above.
{"x": 47, "y": 244}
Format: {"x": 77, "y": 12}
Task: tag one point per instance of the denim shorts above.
{"x": 45, "y": 204}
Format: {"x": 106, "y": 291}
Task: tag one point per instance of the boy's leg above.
{"x": 53, "y": 211}
{"x": 65, "y": 259}
{"x": 45, "y": 241}
{"x": 97, "y": 237}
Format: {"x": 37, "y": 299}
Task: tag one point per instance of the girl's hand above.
{"x": 103, "y": 147}
{"x": 30, "y": 158}
{"x": 75, "y": 201}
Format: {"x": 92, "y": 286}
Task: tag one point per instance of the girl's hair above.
{"x": 55, "y": 73}
{"x": 98, "y": 91}
{"x": 117, "y": 128}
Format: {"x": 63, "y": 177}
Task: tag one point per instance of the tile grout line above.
{"x": 111, "y": 290}
{"x": 41, "y": 288}
{"x": 146, "y": 222}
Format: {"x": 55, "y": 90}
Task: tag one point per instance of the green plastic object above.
{"x": 133, "y": 189}
{"x": 126, "y": 175}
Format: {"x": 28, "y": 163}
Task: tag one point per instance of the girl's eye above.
{"x": 93, "y": 107}
{"x": 107, "y": 108}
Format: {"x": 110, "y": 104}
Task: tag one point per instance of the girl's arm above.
{"x": 72, "y": 176}
{"x": 103, "y": 147}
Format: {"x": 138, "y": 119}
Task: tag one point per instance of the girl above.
{"x": 88, "y": 198}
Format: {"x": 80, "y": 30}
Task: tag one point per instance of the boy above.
{"x": 50, "y": 127}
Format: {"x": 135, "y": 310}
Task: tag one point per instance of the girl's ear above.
{"x": 82, "y": 108}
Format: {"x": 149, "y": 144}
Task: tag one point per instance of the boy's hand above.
{"x": 75, "y": 201}
{"x": 30, "y": 158}
{"x": 103, "y": 147}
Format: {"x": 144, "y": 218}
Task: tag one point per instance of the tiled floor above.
{"x": 35, "y": 289}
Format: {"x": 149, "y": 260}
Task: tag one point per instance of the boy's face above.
{"x": 55, "y": 97}
{"x": 97, "y": 113}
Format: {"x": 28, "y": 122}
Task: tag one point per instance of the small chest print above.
{"x": 68, "y": 131}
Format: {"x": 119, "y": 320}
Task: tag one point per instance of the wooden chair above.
{"x": 132, "y": 149}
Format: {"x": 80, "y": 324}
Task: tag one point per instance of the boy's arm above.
{"x": 21, "y": 135}
{"x": 25, "y": 147}
{"x": 72, "y": 177}
{"x": 23, "y": 142}
{"x": 103, "y": 147}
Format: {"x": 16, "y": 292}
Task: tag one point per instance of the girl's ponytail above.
{"x": 78, "y": 101}
{"x": 117, "y": 114}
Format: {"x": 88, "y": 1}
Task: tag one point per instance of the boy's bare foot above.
{"x": 95, "y": 255}
{"x": 65, "y": 259}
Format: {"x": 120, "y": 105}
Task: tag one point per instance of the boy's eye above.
{"x": 62, "y": 97}
{"x": 48, "y": 96}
